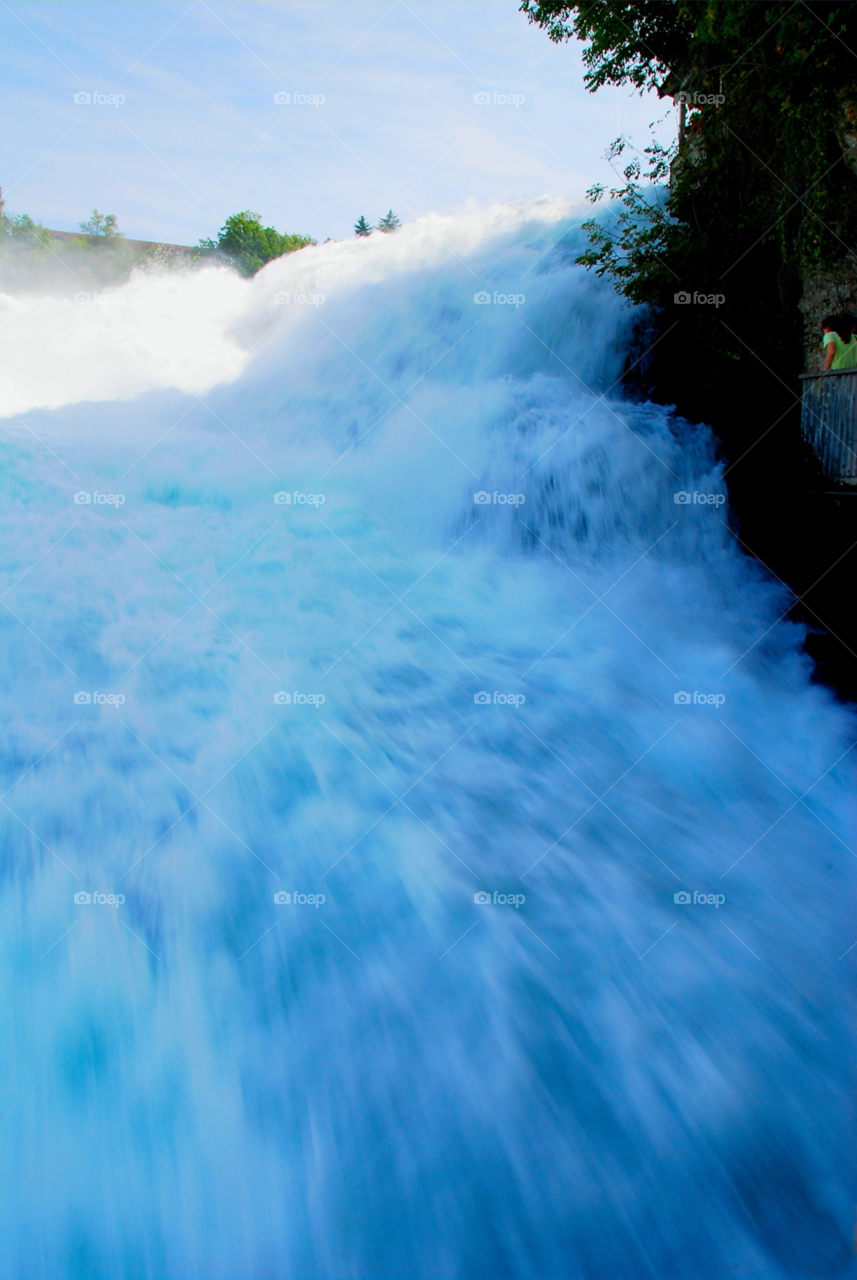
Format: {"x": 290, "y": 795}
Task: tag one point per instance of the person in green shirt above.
{"x": 839, "y": 342}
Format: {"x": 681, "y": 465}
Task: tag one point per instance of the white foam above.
{"x": 403, "y": 1081}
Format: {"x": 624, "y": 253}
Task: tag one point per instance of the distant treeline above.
{"x": 31, "y": 254}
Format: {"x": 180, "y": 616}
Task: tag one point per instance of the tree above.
{"x": 247, "y": 245}
{"x": 756, "y": 207}
{"x": 21, "y": 227}
{"x": 101, "y": 224}
{"x": 643, "y": 42}
{"x": 389, "y": 222}
{"x": 361, "y": 227}
{"x": 770, "y": 96}
{"x": 760, "y": 189}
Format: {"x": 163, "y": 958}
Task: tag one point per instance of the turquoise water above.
{"x": 403, "y": 1079}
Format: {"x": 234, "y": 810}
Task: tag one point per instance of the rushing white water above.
{"x": 154, "y": 330}
{"x": 400, "y": 1081}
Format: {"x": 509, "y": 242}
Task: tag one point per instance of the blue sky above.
{"x": 200, "y": 136}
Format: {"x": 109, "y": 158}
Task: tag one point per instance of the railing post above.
{"x": 829, "y": 421}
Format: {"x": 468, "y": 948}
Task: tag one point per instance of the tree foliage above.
{"x": 641, "y": 42}
{"x": 757, "y": 195}
{"x": 389, "y": 222}
{"x": 769, "y": 145}
{"x": 101, "y": 224}
{"x": 20, "y": 227}
{"x": 756, "y": 207}
{"x": 362, "y": 227}
{"x": 247, "y": 245}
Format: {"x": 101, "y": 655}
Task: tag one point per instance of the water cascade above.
{"x": 425, "y": 852}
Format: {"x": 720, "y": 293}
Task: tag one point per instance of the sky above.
{"x": 427, "y": 105}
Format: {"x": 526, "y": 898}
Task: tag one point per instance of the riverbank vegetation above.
{"x": 34, "y": 257}
{"x": 247, "y": 245}
{"x": 738, "y": 238}
{"x": 758, "y": 192}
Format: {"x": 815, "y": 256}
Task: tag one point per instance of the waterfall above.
{"x": 425, "y": 851}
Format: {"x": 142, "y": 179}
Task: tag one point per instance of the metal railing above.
{"x": 829, "y": 421}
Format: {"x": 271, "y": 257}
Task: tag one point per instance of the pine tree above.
{"x": 361, "y": 227}
{"x": 389, "y": 222}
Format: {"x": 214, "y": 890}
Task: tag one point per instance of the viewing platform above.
{"x": 829, "y": 421}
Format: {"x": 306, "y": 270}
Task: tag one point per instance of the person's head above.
{"x": 839, "y": 325}
{"x": 850, "y": 321}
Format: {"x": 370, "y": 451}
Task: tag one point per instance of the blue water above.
{"x": 590, "y": 1080}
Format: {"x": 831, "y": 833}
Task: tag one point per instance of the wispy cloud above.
{"x": 199, "y": 114}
